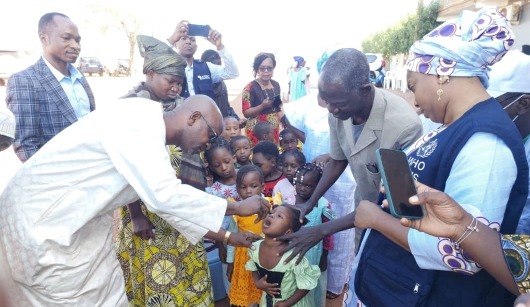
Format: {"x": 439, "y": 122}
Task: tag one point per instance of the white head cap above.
{"x": 510, "y": 75}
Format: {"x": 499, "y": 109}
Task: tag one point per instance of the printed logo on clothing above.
{"x": 204, "y": 77}
{"x": 427, "y": 149}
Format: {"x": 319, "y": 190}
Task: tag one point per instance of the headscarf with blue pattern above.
{"x": 464, "y": 46}
{"x": 323, "y": 58}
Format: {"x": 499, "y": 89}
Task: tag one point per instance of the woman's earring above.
{"x": 440, "y": 92}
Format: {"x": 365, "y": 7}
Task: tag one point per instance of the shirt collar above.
{"x": 74, "y": 73}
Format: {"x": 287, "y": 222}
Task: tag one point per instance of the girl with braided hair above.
{"x": 305, "y": 181}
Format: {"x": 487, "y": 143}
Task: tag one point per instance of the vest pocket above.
{"x": 383, "y": 282}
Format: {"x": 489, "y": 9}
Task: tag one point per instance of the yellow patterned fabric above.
{"x": 168, "y": 272}
{"x": 517, "y": 253}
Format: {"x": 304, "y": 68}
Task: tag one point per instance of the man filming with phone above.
{"x": 201, "y": 76}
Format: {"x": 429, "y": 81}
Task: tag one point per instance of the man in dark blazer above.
{"x": 52, "y": 94}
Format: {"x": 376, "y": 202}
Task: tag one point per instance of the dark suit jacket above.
{"x": 41, "y": 107}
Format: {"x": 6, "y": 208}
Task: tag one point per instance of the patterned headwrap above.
{"x": 298, "y": 60}
{"x": 160, "y": 57}
{"x": 323, "y": 58}
{"x": 7, "y": 123}
{"x": 463, "y": 47}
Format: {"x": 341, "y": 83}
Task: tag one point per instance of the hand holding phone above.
{"x": 398, "y": 182}
{"x": 198, "y": 30}
{"x": 276, "y": 101}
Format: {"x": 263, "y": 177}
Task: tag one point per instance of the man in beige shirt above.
{"x": 362, "y": 119}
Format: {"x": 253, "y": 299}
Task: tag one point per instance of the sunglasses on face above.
{"x": 214, "y": 137}
{"x": 266, "y": 68}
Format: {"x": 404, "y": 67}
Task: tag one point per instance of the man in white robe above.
{"x": 56, "y": 213}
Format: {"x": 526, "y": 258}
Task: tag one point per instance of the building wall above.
{"x": 522, "y": 30}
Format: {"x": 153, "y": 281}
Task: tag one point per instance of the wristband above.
{"x": 227, "y": 235}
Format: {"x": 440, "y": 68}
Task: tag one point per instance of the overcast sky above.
{"x": 285, "y": 27}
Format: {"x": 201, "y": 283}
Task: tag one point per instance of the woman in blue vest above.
{"x": 476, "y": 156}
{"x": 506, "y": 257}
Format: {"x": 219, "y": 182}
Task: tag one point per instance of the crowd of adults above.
{"x": 141, "y": 155}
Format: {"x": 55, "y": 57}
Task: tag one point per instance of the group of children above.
{"x": 237, "y": 171}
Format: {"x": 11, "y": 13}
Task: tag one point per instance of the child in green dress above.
{"x": 283, "y": 285}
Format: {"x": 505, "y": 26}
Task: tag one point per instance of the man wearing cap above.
{"x": 52, "y": 94}
{"x": 510, "y": 85}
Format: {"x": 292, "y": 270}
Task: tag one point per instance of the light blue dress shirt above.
{"x": 73, "y": 89}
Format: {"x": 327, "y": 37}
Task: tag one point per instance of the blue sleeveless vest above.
{"x": 202, "y": 80}
{"x": 388, "y": 275}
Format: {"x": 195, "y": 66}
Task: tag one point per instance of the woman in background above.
{"x": 258, "y": 97}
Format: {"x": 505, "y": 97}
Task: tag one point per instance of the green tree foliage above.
{"x": 398, "y": 38}
{"x": 127, "y": 20}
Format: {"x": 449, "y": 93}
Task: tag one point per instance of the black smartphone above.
{"x": 277, "y": 101}
{"x": 399, "y": 185}
{"x": 198, "y": 30}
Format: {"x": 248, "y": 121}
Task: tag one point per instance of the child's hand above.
{"x": 229, "y": 271}
{"x": 270, "y": 289}
{"x": 282, "y": 304}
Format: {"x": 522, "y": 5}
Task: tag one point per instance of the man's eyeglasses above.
{"x": 214, "y": 137}
{"x": 266, "y": 68}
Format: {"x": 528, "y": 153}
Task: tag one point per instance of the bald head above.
{"x": 208, "y": 108}
{"x": 347, "y": 66}
{"x": 193, "y": 124}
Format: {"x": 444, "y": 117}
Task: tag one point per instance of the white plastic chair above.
{"x": 390, "y": 79}
{"x": 401, "y": 78}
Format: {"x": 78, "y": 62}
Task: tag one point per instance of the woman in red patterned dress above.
{"x": 258, "y": 97}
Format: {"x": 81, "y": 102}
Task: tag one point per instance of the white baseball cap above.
{"x": 510, "y": 75}
{"x": 7, "y": 122}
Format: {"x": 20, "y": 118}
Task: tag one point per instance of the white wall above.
{"x": 522, "y": 30}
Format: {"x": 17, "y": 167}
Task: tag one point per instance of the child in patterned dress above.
{"x": 221, "y": 165}
{"x": 306, "y": 179}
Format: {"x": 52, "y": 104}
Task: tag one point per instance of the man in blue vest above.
{"x": 201, "y": 76}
